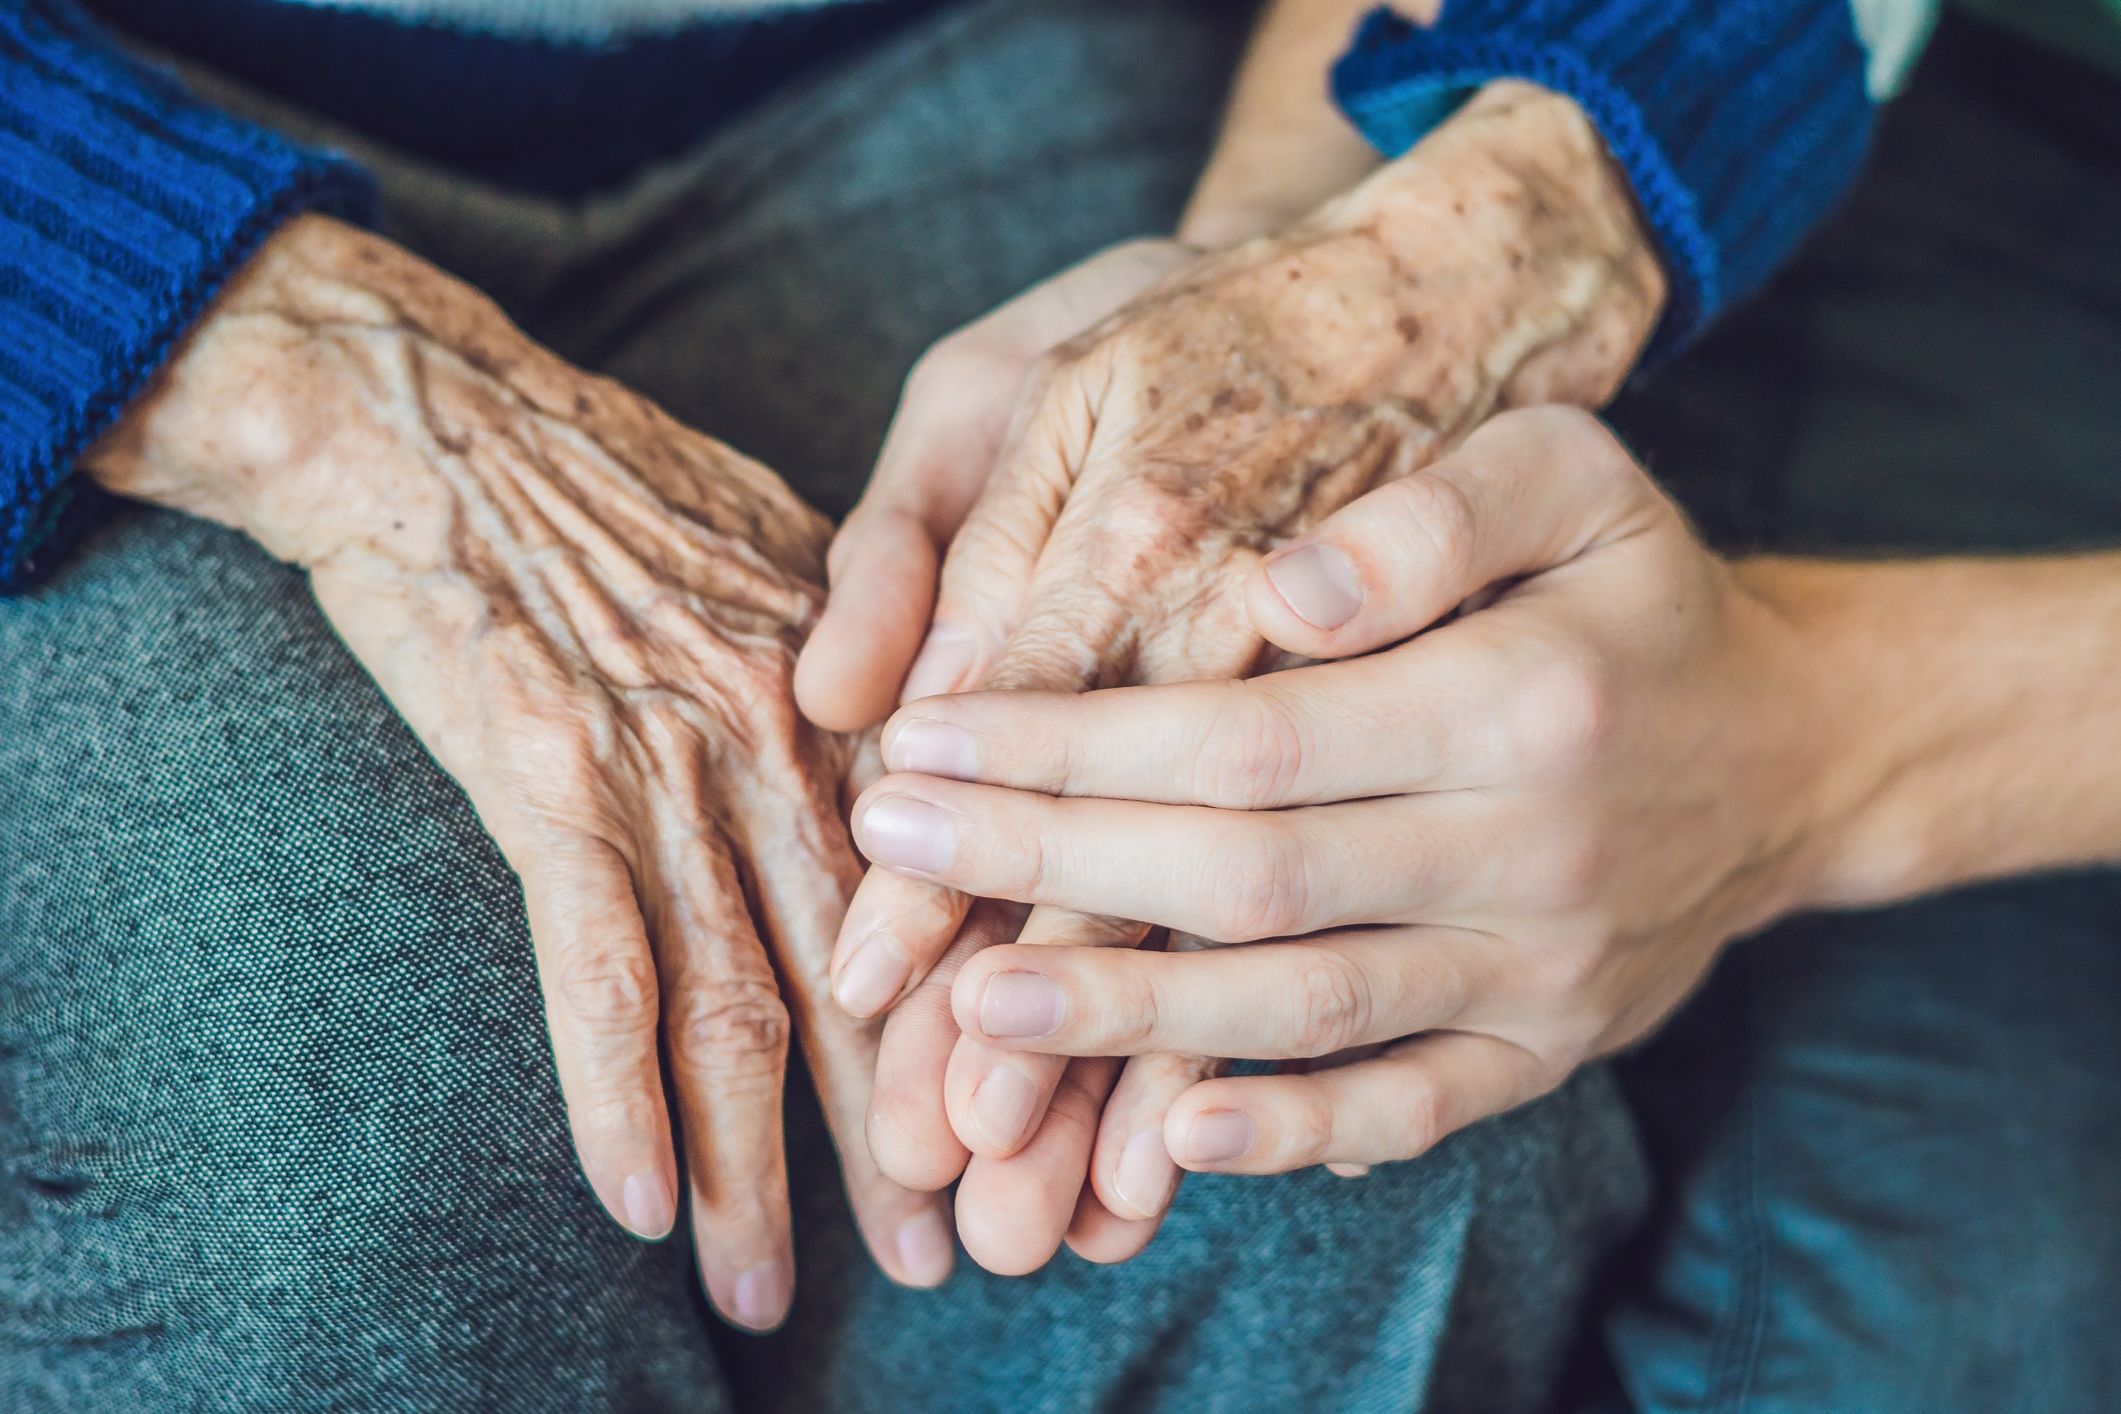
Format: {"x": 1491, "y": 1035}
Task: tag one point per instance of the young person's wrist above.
{"x": 1942, "y": 697}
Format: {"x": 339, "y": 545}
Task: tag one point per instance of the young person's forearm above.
{"x": 1982, "y": 703}
{"x": 1284, "y": 147}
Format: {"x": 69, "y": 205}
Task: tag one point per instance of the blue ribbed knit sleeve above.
{"x": 1740, "y": 122}
{"x": 124, "y": 204}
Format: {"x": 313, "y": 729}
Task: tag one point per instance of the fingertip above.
{"x": 1003, "y": 1231}
{"x": 1305, "y": 599}
{"x": 1100, "y": 1236}
{"x": 911, "y": 1242}
{"x": 948, "y": 661}
{"x": 908, "y": 1131}
{"x": 925, "y": 1248}
{"x": 970, "y": 982}
{"x": 746, "y": 1262}
{"x": 1208, "y": 1131}
{"x": 874, "y": 975}
{"x": 647, "y": 1205}
{"x": 848, "y": 674}
{"x": 757, "y": 1299}
{"x": 1004, "y": 997}
{"x": 997, "y": 1100}
{"x": 845, "y": 676}
{"x": 914, "y": 1158}
{"x": 921, "y": 738}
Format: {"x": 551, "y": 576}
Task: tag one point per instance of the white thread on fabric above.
{"x": 1894, "y": 31}
{"x": 570, "y": 19}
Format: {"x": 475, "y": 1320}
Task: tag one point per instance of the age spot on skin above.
{"x": 1409, "y": 328}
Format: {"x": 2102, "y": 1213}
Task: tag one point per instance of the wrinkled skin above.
{"x": 1481, "y": 854}
{"x": 590, "y": 615}
{"x": 1150, "y": 462}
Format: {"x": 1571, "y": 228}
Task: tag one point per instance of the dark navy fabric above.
{"x": 539, "y": 115}
{"x": 123, "y": 206}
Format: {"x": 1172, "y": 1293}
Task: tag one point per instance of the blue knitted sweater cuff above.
{"x": 124, "y": 206}
{"x": 1740, "y": 124}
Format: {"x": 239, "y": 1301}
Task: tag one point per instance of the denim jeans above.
{"x": 278, "y": 1125}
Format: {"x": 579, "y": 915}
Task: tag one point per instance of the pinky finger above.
{"x": 1396, "y": 1105}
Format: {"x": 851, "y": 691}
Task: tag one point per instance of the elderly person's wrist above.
{"x": 1563, "y": 280}
{"x": 259, "y": 399}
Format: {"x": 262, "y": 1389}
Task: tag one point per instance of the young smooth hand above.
{"x": 1473, "y": 851}
{"x": 1147, "y": 465}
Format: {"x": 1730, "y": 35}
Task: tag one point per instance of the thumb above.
{"x": 951, "y": 426}
{"x": 1527, "y": 492}
{"x": 885, "y": 559}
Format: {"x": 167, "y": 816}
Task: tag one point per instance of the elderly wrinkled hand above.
{"x": 1485, "y": 855}
{"x": 590, "y": 615}
{"x": 1150, "y": 462}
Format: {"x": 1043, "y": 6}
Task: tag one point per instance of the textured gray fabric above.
{"x": 277, "y": 1122}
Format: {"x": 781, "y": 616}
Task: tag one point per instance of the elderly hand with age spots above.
{"x": 589, "y": 614}
{"x": 1477, "y": 859}
{"x": 1121, "y": 491}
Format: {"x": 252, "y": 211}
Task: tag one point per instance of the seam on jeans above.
{"x": 1737, "y": 1357}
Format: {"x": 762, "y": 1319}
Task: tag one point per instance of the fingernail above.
{"x": 1218, "y": 1137}
{"x": 873, "y": 977}
{"x": 1348, "y": 1170}
{"x": 1145, "y": 1175}
{"x": 1001, "y": 1105}
{"x": 925, "y": 1248}
{"x": 1319, "y": 583}
{"x": 1020, "y": 1004}
{"x": 761, "y": 1296}
{"x": 943, "y": 662}
{"x": 647, "y": 1204}
{"x": 901, "y": 833}
{"x": 933, "y": 749}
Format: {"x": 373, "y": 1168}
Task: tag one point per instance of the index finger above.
{"x": 1421, "y": 718}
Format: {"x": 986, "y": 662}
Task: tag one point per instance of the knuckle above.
{"x": 1257, "y": 878}
{"x": 1145, "y": 514}
{"x": 943, "y": 368}
{"x": 1442, "y": 515}
{"x": 1566, "y": 969}
{"x": 1571, "y": 421}
{"x": 730, "y": 1031}
{"x": 1572, "y": 871}
{"x": 629, "y": 1113}
{"x": 1309, "y": 1127}
{"x": 1328, "y": 1004}
{"x": 1138, "y": 1019}
{"x": 1020, "y": 864}
{"x": 1252, "y": 751}
{"x": 1418, "y": 1120}
{"x": 609, "y": 992}
{"x": 1567, "y": 714}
